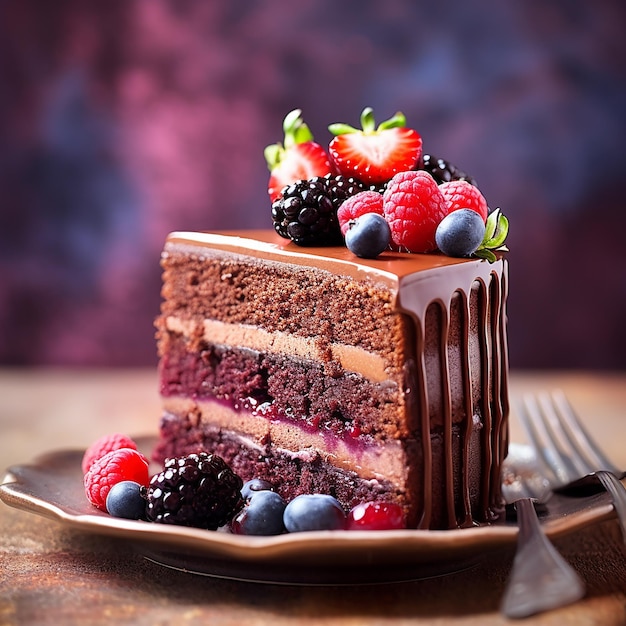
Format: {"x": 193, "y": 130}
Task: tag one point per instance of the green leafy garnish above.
{"x": 496, "y": 231}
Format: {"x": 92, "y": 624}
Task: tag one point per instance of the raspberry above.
{"x": 112, "y": 468}
{"x": 413, "y": 206}
{"x": 105, "y": 444}
{"x": 459, "y": 194}
{"x": 360, "y": 204}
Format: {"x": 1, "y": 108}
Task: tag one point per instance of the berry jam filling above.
{"x": 345, "y": 430}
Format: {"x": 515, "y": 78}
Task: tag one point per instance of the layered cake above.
{"x": 379, "y": 379}
{"x": 359, "y": 349}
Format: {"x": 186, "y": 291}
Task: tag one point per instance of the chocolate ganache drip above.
{"x": 431, "y": 298}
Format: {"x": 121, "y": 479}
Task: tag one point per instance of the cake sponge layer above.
{"x": 284, "y": 388}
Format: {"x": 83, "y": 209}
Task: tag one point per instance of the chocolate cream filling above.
{"x": 370, "y": 365}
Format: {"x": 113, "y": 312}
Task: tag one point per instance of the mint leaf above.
{"x": 483, "y": 253}
{"x": 491, "y": 225}
{"x": 496, "y": 232}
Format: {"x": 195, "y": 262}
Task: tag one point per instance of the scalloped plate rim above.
{"x": 316, "y": 548}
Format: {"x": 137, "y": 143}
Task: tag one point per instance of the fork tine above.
{"x": 560, "y": 419}
{"x": 571, "y": 454}
{"x": 553, "y": 459}
{"x": 579, "y": 437}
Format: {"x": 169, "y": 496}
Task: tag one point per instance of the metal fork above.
{"x": 568, "y": 452}
{"x": 540, "y": 579}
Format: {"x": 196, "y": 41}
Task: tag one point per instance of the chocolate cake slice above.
{"x": 370, "y": 380}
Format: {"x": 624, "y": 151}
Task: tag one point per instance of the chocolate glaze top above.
{"x": 388, "y": 267}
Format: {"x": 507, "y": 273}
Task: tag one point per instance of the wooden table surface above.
{"x": 50, "y": 574}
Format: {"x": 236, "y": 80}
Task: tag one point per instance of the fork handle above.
{"x": 541, "y": 579}
{"x": 617, "y": 492}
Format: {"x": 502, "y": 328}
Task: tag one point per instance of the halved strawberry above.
{"x": 375, "y": 154}
{"x": 298, "y": 158}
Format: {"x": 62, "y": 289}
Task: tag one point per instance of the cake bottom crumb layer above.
{"x": 296, "y": 473}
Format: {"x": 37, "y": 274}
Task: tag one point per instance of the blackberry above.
{"x": 306, "y": 212}
{"x": 443, "y": 171}
{"x": 377, "y": 187}
{"x": 197, "y": 490}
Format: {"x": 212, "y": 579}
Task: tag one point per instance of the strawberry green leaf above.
{"x": 302, "y": 134}
{"x": 397, "y": 121}
{"x": 368, "y": 124}
{"x": 296, "y": 131}
{"x": 342, "y": 129}
{"x": 273, "y": 155}
{"x": 292, "y": 120}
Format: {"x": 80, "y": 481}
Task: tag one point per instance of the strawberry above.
{"x": 413, "y": 207}
{"x": 298, "y": 158}
{"x": 374, "y": 154}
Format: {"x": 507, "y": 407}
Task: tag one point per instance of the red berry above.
{"x": 359, "y": 204}
{"x": 112, "y": 468}
{"x": 374, "y": 154}
{"x": 376, "y": 516}
{"x": 301, "y": 162}
{"x": 105, "y": 444}
{"x": 298, "y": 158}
{"x": 459, "y": 194}
{"x": 413, "y": 206}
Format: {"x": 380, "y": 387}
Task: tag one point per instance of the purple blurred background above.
{"x": 121, "y": 121}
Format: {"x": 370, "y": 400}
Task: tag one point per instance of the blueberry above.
{"x": 314, "y": 512}
{"x": 262, "y": 515}
{"x": 460, "y": 233}
{"x": 250, "y": 487}
{"x": 368, "y": 235}
{"x": 125, "y": 499}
